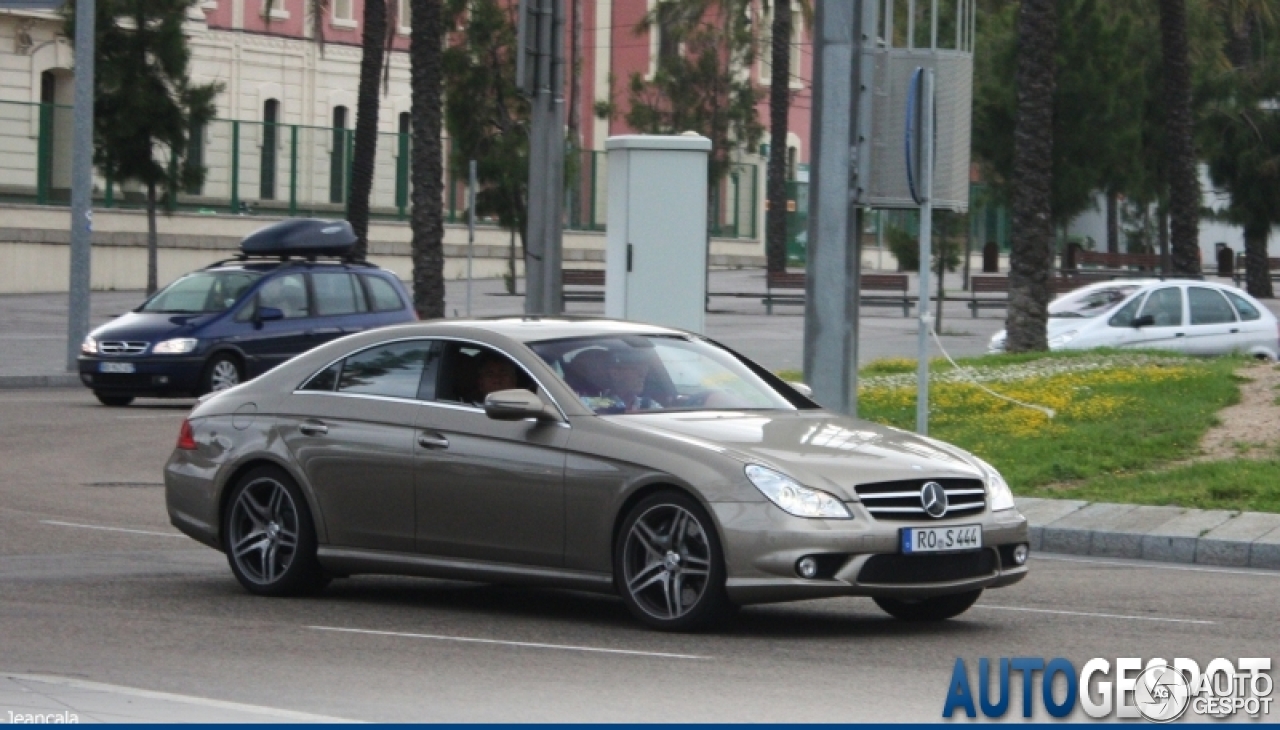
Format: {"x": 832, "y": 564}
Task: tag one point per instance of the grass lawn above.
{"x": 1121, "y": 420}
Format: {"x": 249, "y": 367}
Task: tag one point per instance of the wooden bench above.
{"x": 1273, "y": 266}
{"x": 1119, "y": 264}
{"x": 897, "y": 283}
{"x": 999, "y": 285}
{"x": 588, "y": 285}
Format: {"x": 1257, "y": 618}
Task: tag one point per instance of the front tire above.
{"x": 939, "y": 608}
{"x": 114, "y": 401}
{"x": 220, "y": 373}
{"x": 669, "y": 566}
{"x": 269, "y": 536}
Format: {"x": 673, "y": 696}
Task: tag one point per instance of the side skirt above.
{"x": 352, "y": 561}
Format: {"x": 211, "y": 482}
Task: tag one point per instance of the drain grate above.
{"x": 127, "y": 485}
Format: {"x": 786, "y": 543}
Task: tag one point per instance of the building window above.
{"x": 402, "y": 163}
{"x": 267, "y": 174}
{"x": 195, "y": 156}
{"x": 338, "y": 156}
{"x": 792, "y": 159}
{"x": 403, "y": 18}
{"x": 343, "y": 14}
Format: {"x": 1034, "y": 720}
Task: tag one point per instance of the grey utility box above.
{"x": 656, "y": 258}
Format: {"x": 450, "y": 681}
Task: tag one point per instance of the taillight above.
{"x": 186, "y": 437}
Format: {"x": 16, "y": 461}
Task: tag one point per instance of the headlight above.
{"x": 795, "y": 499}
{"x": 997, "y": 487}
{"x": 1062, "y": 339}
{"x": 997, "y": 342}
{"x": 89, "y": 346}
{"x": 175, "y": 347}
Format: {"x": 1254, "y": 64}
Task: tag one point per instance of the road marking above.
{"x": 175, "y": 414}
{"x": 526, "y": 644}
{"x": 78, "y": 684}
{"x": 1256, "y": 572}
{"x": 111, "y": 529}
{"x": 1095, "y": 615}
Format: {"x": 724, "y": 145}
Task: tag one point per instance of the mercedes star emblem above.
{"x": 933, "y": 498}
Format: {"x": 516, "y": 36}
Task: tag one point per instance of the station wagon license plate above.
{"x": 940, "y": 539}
{"x": 115, "y": 367}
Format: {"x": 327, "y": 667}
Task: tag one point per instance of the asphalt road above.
{"x": 95, "y": 585}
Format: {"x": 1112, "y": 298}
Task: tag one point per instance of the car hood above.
{"x": 151, "y": 326}
{"x": 816, "y": 448}
{"x": 1055, "y": 327}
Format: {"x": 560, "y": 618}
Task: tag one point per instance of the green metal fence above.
{"x": 299, "y": 170}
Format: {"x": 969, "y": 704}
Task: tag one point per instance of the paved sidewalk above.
{"x": 1167, "y": 534}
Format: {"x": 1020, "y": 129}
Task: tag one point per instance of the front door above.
{"x": 266, "y": 344}
{"x": 487, "y": 489}
{"x": 1168, "y": 329}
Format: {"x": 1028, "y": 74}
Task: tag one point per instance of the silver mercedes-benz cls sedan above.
{"x": 589, "y": 454}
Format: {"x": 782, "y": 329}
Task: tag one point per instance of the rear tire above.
{"x": 668, "y": 564}
{"x": 114, "y": 401}
{"x": 269, "y": 536}
{"x": 939, "y": 608}
{"x": 221, "y": 372}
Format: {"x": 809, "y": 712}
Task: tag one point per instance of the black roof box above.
{"x": 307, "y": 237}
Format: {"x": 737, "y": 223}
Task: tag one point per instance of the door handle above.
{"x": 313, "y": 428}
{"x": 1235, "y": 330}
{"x": 432, "y": 441}
{"x": 1179, "y": 334}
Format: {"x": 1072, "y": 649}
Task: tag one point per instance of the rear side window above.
{"x": 336, "y": 293}
{"x": 384, "y": 296}
{"x": 1248, "y": 312}
{"x": 393, "y": 370}
{"x": 1208, "y": 306}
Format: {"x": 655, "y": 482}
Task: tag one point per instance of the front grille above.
{"x": 120, "y": 347}
{"x": 906, "y": 569}
{"x": 900, "y": 500}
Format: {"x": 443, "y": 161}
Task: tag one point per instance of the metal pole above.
{"x": 926, "y": 253}
{"x": 81, "y": 184}
{"x": 471, "y": 228}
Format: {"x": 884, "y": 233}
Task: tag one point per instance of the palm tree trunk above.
{"x": 366, "y": 142}
{"x": 1184, "y": 187}
{"x": 153, "y": 242}
{"x": 427, "y": 218}
{"x": 1113, "y": 223}
{"x": 1257, "y": 277}
{"x": 779, "y": 109}
{"x": 1031, "y": 257}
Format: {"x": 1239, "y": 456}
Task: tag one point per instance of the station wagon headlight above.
{"x": 89, "y": 346}
{"x": 795, "y": 499}
{"x": 179, "y": 346}
{"x": 997, "y": 488}
{"x": 1062, "y": 339}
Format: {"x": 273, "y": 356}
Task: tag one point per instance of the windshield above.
{"x": 201, "y": 292}
{"x": 635, "y": 373}
{"x": 1091, "y": 302}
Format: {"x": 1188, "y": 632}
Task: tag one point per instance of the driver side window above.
{"x": 287, "y": 293}
{"x": 1165, "y": 307}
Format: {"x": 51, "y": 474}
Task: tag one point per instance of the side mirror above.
{"x": 268, "y": 314}
{"x": 802, "y": 389}
{"x": 517, "y": 404}
{"x": 1145, "y": 320}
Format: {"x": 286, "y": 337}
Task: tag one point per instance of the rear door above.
{"x": 1213, "y": 329}
{"x": 340, "y": 305}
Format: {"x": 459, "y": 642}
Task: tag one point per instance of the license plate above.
{"x": 941, "y": 539}
{"x": 115, "y": 367}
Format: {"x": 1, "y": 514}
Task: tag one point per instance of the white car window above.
{"x": 1126, "y": 314}
{"x": 1248, "y": 312}
{"x": 1208, "y": 306}
{"x": 1164, "y": 306}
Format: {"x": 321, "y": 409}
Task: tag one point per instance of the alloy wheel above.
{"x": 666, "y": 561}
{"x": 264, "y": 531}
{"x": 224, "y": 374}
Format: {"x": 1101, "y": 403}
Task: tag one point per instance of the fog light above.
{"x": 1020, "y": 554}
{"x": 162, "y": 380}
{"x": 807, "y": 567}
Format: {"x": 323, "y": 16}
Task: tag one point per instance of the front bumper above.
{"x": 860, "y": 557}
{"x": 177, "y": 375}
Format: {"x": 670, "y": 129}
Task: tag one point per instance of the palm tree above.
{"x": 1032, "y": 254}
{"x": 1184, "y": 186}
{"x": 779, "y": 109}
{"x": 374, "y": 42}
{"x": 426, "y": 43}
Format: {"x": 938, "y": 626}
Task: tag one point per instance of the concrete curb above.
{"x": 60, "y": 380}
{"x": 1165, "y": 534}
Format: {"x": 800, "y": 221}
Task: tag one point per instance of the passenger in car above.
{"x": 588, "y": 372}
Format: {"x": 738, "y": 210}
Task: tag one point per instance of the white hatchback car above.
{"x": 1188, "y": 316}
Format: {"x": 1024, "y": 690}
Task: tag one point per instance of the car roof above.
{"x": 263, "y": 266}
{"x": 531, "y": 328}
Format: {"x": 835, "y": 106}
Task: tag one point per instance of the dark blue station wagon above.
{"x": 234, "y": 320}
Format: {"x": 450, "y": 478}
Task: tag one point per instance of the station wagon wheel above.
{"x": 668, "y": 564}
{"x": 115, "y": 401}
{"x": 938, "y": 608}
{"x": 221, "y": 372}
{"x": 269, "y": 536}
